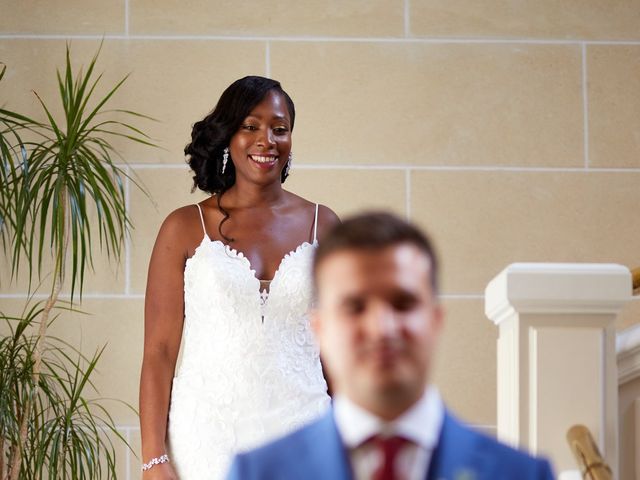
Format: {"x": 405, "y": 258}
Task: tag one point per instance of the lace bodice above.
{"x": 250, "y": 367}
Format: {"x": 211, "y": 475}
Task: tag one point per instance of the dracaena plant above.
{"x": 61, "y": 190}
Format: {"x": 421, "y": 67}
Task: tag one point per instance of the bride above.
{"x": 230, "y": 278}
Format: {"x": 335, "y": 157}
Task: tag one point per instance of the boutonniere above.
{"x": 465, "y": 474}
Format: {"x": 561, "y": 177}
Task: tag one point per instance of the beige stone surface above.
{"x": 269, "y": 17}
{"x": 135, "y": 459}
{"x": 118, "y": 324}
{"x": 17, "y": 283}
{"x": 106, "y": 276}
{"x": 169, "y": 189}
{"x": 175, "y": 82}
{"x": 587, "y": 19}
{"x": 465, "y": 368}
{"x": 349, "y": 191}
{"x": 630, "y": 314}
{"x": 483, "y": 221}
{"x": 434, "y": 104}
{"x": 614, "y": 105}
{"x": 62, "y": 17}
{"x": 10, "y": 307}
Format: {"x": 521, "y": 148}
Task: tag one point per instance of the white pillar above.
{"x": 557, "y": 354}
{"x": 628, "y": 346}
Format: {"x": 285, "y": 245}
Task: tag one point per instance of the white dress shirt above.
{"x": 421, "y": 424}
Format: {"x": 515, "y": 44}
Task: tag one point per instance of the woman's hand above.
{"x": 164, "y": 471}
{"x": 164, "y": 312}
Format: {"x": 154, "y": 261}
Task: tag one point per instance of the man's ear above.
{"x": 438, "y": 317}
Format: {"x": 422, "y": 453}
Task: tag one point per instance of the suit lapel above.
{"x": 456, "y": 456}
{"x": 327, "y": 457}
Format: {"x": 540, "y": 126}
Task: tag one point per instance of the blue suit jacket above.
{"x": 315, "y": 452}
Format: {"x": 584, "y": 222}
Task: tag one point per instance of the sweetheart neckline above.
{"x": 245, "y": 261}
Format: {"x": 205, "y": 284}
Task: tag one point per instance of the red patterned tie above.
{"x": 388, "y": 448}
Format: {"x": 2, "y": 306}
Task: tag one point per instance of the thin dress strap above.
{"x": 315, "y": 225}
{"x": 204, "y": 230}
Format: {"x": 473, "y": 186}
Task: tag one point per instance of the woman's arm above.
{"x": 327, "y": 219}
{"x": 164, "y": 314}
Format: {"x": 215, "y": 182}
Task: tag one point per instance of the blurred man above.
{"x": 378, "y": 320}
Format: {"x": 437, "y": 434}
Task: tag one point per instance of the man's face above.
{"x": 377, "y": 320}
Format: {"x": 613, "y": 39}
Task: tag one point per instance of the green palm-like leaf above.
{"x": 68, "y": 431}
{"x": 60, "y": 190}
{"x": 68, "y": 175}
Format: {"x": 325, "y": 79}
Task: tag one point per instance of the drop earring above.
{"x": 225, "y": 159}
{"x": 287, "y": 169}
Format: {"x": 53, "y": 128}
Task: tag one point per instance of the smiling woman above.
{"x": 230, "y": 278}
{"x": 262, "y": 145}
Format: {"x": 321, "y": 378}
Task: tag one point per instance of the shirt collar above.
{"x": 421, "y": 423}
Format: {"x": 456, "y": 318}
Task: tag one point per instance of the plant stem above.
{"x": 58, "y": 276}
{"x": 1, "y": 456}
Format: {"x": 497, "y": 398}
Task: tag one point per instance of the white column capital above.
{"x": 573, "y": 288}
{"x": 557, "y": 354}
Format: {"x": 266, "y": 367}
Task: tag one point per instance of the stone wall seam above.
{"x": 319, "y": 39}
{"x": 66, "y": 296}
{"x": 585, "y": 105}
{"x": 127, "y": 238}
{"x": 140, "y": 296}
{"x": 407, "y": 189}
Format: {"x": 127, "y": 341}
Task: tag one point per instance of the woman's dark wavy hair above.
{"x": 211, "y": 135}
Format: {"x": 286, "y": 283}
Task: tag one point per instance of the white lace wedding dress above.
{"x": 250, "y": 368}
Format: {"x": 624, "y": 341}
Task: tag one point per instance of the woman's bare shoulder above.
{"x": 182, "y": 228}
{"x": 180, "y": 218}
{"x": 327, "y": 219}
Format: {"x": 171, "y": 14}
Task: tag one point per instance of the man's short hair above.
{"x": 375, "y": 231}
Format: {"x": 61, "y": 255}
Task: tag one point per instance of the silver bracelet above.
{"x": 155, "y": 461}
